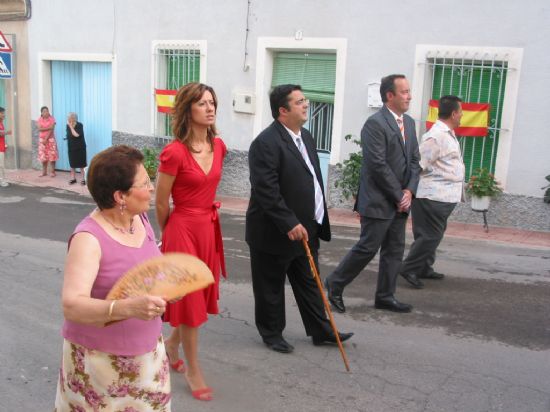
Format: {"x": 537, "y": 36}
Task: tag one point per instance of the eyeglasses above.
{"x": 148, "y": 184}
{"x": 302, "y": 102}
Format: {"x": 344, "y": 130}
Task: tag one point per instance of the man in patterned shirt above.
{"x": 439, "y": 190}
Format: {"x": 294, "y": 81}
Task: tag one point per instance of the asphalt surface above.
{"x": 477, "y": 341}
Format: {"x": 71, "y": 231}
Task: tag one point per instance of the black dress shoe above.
{"x": 392, "y": 304}
{"x": 433, "y": 275}
{"x": 318, "y": 341}
{"x": 336, "y": 300}
{"x": 413, "y": 280}
{"x": 281, "y": 346}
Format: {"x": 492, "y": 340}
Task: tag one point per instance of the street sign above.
{"x": 5, "y": 66}
{"x": 4, "y": 45}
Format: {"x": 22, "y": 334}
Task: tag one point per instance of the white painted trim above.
{"x": 264, "y": 73}
{"x": 45, "y": 76}
{"x": 200, "y": 45}
{"x": 513, "y": 56}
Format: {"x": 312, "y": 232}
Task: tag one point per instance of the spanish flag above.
{"x": 165, "y": 100}
{"x": 475, "y": 118}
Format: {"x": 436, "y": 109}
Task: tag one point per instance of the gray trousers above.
{"x": 388, "y": 235}
{"x": 429, "y": 225}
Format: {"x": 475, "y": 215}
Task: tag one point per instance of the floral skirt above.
{"x": 91, "y": 380}
{"x": 47, "y": 150}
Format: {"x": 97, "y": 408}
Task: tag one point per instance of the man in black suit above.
{"x": 389, "y": 178}
{"x": 286, "y": 205}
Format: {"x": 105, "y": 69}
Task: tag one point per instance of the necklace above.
{"x": 199, "y": 147}
{"x": 129, "y": 231}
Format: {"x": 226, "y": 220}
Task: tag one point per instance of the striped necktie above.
{"x": 402, "y": 128}
{"x": 319, "y": 203}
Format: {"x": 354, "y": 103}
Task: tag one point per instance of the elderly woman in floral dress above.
{"x": 120, "y": 366}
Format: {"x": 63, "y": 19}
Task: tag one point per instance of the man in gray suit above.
{"x": 389, "y": 178}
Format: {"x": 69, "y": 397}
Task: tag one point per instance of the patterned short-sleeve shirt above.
{"x": 442, "y": 176}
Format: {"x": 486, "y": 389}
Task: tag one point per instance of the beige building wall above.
{"x": 19, "y": 153}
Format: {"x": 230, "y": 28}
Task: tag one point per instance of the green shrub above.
{"x": 151, "y": 161}
{"x": 546, "y": 197}
{"x": 351, "y": 171}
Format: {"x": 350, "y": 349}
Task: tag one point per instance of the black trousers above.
{"x": 429, "y": 225}
{"x": 268, "y": 281}
{"x": 388, "y": 235}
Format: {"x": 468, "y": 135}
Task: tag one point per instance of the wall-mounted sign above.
{"x": 5, "y": 66}
{"x": 4, "y": 45}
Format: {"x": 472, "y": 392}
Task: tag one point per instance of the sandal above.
{"x": 83, "y": 182}
{"x": 178, "y": 366}
{"x": 204, "y": 394}
{"x": 72, "y": 181}
{"x": 53, "y": 175}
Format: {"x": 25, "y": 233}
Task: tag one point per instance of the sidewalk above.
{"x": 338, "y": 217}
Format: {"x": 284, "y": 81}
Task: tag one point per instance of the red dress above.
{"x": 194, "y": 227}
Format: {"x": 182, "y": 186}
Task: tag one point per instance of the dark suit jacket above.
{"x": 282, "y": 193}
{"x": 389, "y": 166}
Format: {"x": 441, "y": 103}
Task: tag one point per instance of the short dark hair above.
{"x": 279, "y": 97}
{"x": 2, "y": 110}
{"x": 44, "y": 107}
{"x": 447, "y": 105}
{"x": 110, "y": 170}
{"x": 387, "y": 84}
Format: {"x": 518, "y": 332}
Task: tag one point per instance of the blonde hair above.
{"x": 181, "y": 114}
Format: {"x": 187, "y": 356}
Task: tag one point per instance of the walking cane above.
{"x": 327, "y": 306}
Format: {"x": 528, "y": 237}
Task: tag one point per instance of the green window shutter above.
{"x": 316, "y": 73}
{"x": 475, "y": 85}
{"x": 183, "y": 69}
{"x": 2, "y": 93}
{"x": 183, "y": 66}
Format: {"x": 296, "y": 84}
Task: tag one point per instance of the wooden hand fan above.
{"x": 169, "y": 276}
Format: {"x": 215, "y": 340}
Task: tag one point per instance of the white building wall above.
{"x": 381, "y": 39}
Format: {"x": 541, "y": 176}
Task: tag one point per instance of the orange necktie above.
{"x": 402, "y": 128}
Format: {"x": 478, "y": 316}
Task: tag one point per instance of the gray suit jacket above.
{"x": 389, "y": 166}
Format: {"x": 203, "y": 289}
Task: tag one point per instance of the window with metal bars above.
{"x": 316, "y": 74}
{"x": 475, "y": 81}
{"x": 174, "y": 67}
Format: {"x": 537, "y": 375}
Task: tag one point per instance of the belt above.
{"x": 213, "y": 211}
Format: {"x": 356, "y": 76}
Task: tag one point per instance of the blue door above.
{"x": 66, "y": 98}
{"x": 83, "y": 88}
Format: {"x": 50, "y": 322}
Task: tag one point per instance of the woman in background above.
{"x": 76, "y": 148}
{"x": 47, "y": 146}
{"x": 190, "y": 170}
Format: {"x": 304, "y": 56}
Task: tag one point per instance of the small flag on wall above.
{"x": 475, "y": 118}
{"x": 165, "y": 100}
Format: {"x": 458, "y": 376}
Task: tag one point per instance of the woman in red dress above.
{"x": 190, "y": 170}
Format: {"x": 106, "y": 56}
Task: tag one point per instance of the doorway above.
{"x": 84, "y": 88}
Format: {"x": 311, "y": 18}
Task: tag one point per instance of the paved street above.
{"x": 477, "y": 341}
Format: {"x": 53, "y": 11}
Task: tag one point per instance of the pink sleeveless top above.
{"x": 128, "y": 337}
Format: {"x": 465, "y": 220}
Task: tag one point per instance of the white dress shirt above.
{"x": 319, "y": 202}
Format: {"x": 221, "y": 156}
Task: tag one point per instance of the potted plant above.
{"x": 151, "y": 161}
{"x": 482, "y": 186}
{"x": 351, "y": 171}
